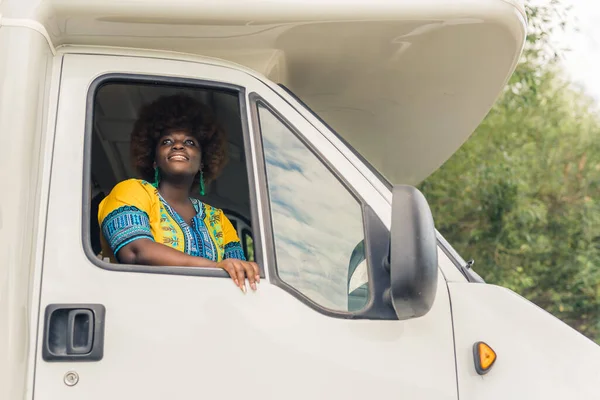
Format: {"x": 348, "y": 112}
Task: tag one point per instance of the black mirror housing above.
{"x": 413, "y": 254}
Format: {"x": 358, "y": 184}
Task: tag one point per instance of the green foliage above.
{"x": 522, "y": 196}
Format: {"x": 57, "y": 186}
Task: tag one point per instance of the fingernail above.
{"x": 253, "y": 286}
{"x": 244, "y": 289}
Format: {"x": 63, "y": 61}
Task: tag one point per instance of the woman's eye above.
{"x": 190, "y": 142}
{"x": 167, "y": 141}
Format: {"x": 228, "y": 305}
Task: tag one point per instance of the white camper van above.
{"x": 332, "y": 109}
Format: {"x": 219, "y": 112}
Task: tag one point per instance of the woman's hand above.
{"x": 240, "y": 270}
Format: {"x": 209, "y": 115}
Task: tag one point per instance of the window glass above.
{"x": 248, "y": 244}
{"x": 317, "y": 223}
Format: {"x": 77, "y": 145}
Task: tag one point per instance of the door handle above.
{"x": 74, "y": 332}
{"x": 80, "y": 331}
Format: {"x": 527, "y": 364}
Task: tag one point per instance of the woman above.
{"x": 176, "y": 146}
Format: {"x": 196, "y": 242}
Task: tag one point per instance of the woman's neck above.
{"x": 175, "y": 193}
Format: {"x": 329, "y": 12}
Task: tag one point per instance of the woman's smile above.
{"x": 178, "y": 152}
{"x": 178, "y": 157}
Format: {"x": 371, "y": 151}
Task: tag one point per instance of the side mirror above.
{"x": 413, "y": 254}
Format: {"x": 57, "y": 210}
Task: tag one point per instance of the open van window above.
{"x": 115, "y": 107}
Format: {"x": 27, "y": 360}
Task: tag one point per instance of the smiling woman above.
{"x": 176, "y": 146}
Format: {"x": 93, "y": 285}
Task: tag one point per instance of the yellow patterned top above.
{"x": 134, "y": 209}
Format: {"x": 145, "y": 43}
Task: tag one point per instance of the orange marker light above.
{"x": 484, "y": 357}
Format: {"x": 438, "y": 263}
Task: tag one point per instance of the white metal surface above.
{"x": 539, "y": 357}
{"x": 25, "y": 70}
{"x": 181, "y": 337}
{"x": 405, "y": 82}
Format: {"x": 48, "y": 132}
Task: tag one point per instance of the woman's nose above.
{"x": 177, "y": 145}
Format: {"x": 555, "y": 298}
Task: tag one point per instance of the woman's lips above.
{"x": 178, "y": 157}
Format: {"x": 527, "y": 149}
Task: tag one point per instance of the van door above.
{"x": 175, "y": 332}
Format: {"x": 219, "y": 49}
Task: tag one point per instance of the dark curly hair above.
{"x": 178, "y": 112}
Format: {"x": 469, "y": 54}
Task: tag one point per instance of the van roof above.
{"x": 405, "y": 82}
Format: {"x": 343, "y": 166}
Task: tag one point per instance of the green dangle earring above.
{"x": 156, "y": 178}
{"x": 201, "y": 183}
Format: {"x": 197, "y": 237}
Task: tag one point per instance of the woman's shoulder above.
{"x": 133, "y": 186}
{"x": 131, "y": 192}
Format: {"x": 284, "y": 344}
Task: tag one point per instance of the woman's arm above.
{"x": 148, "y": 252}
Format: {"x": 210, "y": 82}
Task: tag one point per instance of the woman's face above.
{"x": 178, "y": 153}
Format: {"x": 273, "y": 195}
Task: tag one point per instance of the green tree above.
{"x": 522, "y": 196}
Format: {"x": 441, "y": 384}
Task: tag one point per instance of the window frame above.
{"x": 167, "y": 81}
{"x": 375, "y": 233}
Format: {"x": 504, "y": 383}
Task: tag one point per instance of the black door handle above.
{"x": 74, "y": 332}
{"x": 80, "y": 331}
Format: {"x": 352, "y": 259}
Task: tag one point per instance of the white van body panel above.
{"x": 25, "y": 112}
{"x": 179, "y": 336}
{"x": 539, "y": 357}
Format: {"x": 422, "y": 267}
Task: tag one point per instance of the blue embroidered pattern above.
{"x": 124, "y": 225}
{"x": 234, "y": 250}
{"x": 197, "y": 239}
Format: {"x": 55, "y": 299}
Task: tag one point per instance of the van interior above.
{"x": 115, "y": 109}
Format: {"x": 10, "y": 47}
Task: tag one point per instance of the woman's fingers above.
{"x": 250, "y": 274}
{"x": 236, "y": 271}
{"x": 240, "y": 271}
{"x": 256, "y": 271}
{"x": 230, "y": 269}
